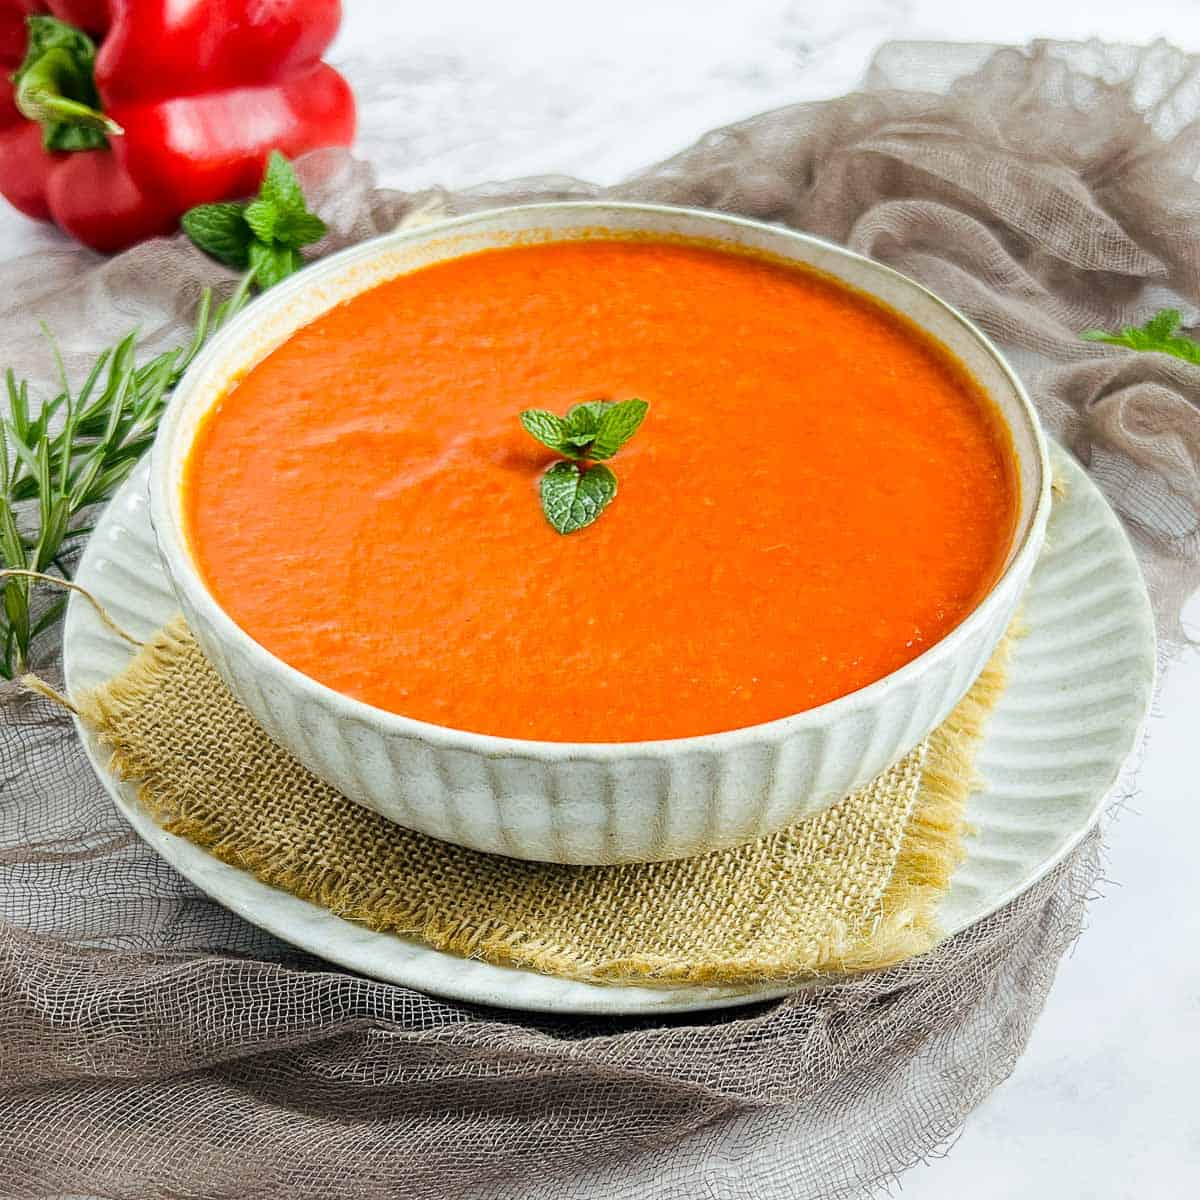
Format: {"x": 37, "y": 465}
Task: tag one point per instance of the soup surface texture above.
{"x": 817, "y": 494}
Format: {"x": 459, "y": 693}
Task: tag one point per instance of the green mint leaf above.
{"x": 273, "y": 263}
{"x": 222, "y": 231}
{"x": 298, "y": 229}
{"x": 1181, "y": 347}
{"x": 549, "y": 428}
{"x": 261, "y": 217}
{"x": 1159, "y": 334}
{"x": 1164, "y": 325}
{"x": 1132, "y": 337}
{"x": 573, "y": 498}
{"x": 588, "y": 412}
{"x": 582, "y": 420}
{"x": 617, "y": 424}
{"x": 279, "y": 214}
{"x": 280, "y": 186}
{"x": 283, "y": 226}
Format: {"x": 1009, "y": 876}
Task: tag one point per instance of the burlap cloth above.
{"x": 153, "y": 1045}
{"x": 854, "y": 888}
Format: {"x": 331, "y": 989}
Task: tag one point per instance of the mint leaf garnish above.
{"x": 265, "y": 233}
{"x": 582, "y": 423}
{"x": 261, "y": 216}
{"x": 1159, "y": 334}
{"x": 616, "y": 425}
{"x": 1164, "y": 324}
{"x": 283, "y": 226}
{"x": 280, "y": 185}
{"x": 594, "y": 430}
{"x": 273, "y": 263}
{"x": 549, "y": 428}
{"x": 572, "y": 498}
{"x": 574, "y": 493}
{"x": 221, "y": 230}
{"x": 297, "y": 229}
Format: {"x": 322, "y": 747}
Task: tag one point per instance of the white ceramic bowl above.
{"x": 590, "y": 803}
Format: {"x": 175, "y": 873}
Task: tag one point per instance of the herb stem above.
{"x": 106, "y": 427}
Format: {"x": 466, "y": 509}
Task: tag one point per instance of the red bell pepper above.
{"x": 117, "y": 116}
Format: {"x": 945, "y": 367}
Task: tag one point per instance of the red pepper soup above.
{"x": 817, "y": 494}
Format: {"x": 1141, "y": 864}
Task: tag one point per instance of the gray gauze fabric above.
{"x": 154, "y": 1045}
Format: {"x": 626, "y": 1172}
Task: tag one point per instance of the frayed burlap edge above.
{"x": 933, "y": 841}
{"x": 904, "y": 925}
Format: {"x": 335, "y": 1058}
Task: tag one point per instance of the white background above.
{"x": 1104, "y": 1104}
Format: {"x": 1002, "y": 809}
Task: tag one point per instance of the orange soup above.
{"x": 818, "y": 494}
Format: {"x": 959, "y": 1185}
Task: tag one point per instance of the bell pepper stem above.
{"x": 41, "y": 95}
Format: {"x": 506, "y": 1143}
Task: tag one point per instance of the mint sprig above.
{"x": 574, "y": 493}
{"x": 1160, "y": 333}
{"x": 265, "y": 233}
{"x": 594, "y": 430}
{"x": 573, "y": 498}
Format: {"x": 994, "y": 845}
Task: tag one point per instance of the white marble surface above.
{"x": 1104, "y": 1104}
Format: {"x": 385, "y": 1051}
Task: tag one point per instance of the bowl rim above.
{"x": 186, "y": 578}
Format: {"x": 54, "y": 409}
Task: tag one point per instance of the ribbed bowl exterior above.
{"x": 636, "y": 802}
{"x": 641, "y": 806}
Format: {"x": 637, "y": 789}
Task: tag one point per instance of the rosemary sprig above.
{"x": 56, "y": 476}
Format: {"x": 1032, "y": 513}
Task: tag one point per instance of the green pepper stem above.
{"x": 41, "y": 95}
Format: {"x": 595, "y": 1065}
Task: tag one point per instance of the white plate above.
{"x": 1079, "y": 687}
